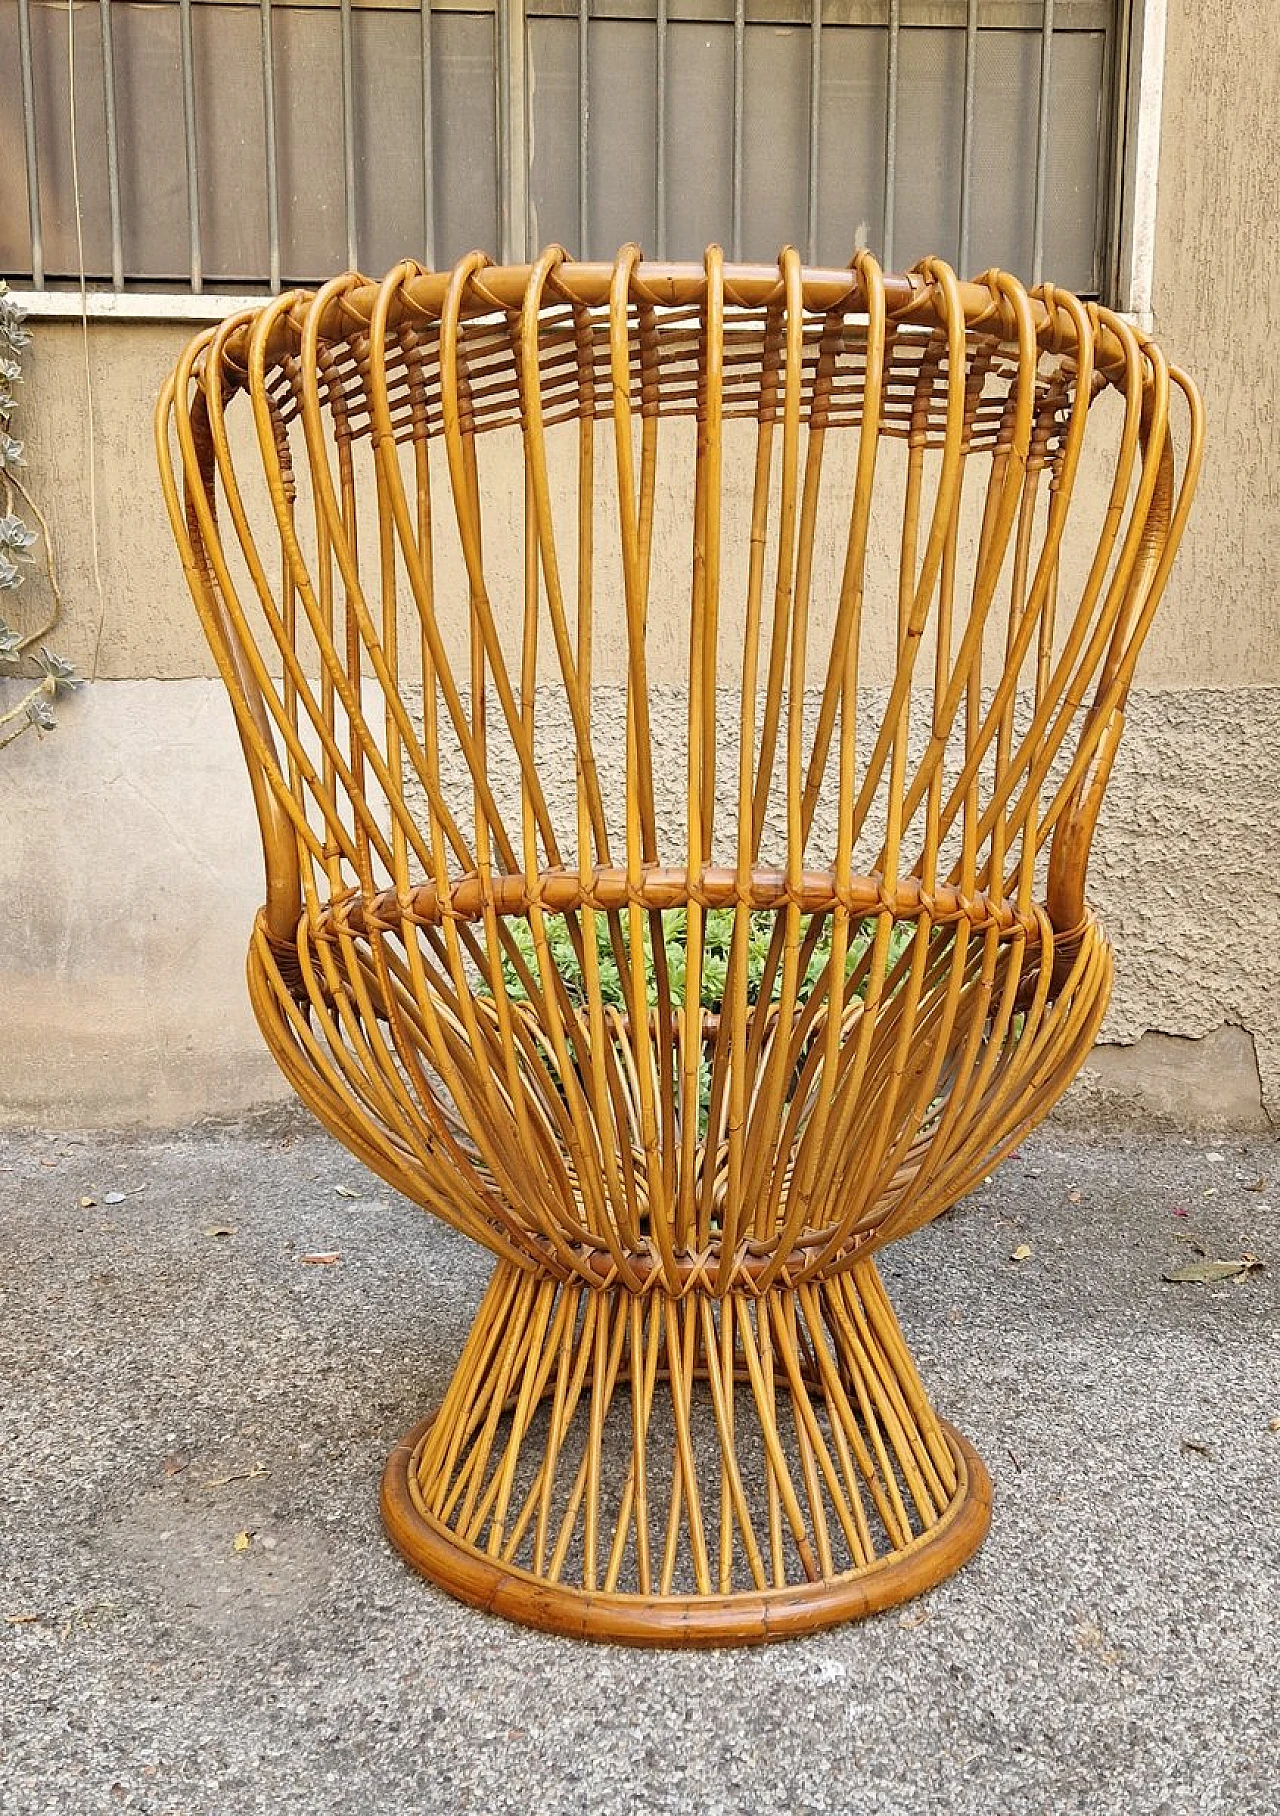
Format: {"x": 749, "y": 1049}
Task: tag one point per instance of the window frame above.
{"x": 1130, "y": 205}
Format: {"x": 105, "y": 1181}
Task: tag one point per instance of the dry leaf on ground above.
{"x": 1208, "y": 1272}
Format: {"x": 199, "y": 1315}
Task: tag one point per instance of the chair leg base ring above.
{"x": 685, "y": 1471}
{"x": 737, "y": 1619}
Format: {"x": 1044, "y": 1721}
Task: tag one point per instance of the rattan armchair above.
{"x": 678, "y": 701}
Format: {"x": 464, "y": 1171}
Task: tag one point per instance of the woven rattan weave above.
{"x": 678, "y": 701}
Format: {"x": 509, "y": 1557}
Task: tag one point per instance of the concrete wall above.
{"x": 128, "y": 858}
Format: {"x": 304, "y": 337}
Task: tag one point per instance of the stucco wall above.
{"x": 128, "y": 860}
{"x": 1217, "y": 310}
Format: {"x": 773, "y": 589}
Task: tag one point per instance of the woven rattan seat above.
{"x": 678, "y": 701}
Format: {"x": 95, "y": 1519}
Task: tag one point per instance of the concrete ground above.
{"x": 175, "y": 1376}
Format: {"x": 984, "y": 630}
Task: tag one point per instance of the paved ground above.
{"x": 1115, "y": 1646}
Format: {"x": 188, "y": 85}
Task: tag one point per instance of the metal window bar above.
{"x": 192, "y": 149}
{"x": 739, "y": 86}
{"x": 891, "y": 130}
{"x": 815, "y": 109}
{"x": 1042, "y": 144}
{"x": 270, "y": 147}
{"x": 660, "y": 129}
{"x": 514, "y": 146}
{"x": 1124, "y": 201}
{"x": 348, "y": 136}
{"x": 966, "y": 132}
{"x": 113, "y": 154}
{"x": 29, "y": 134}
{"x": 428, "y": 133}
{"x": 513, "y": 143}
{"x": 584, "y": 121}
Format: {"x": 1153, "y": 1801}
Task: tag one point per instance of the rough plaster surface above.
{"x": 1184, "y": 872}
{"x": 143, "y": 624}
{"x": 1171, "y": 1081}
{"x": 130, "y": 902}
{"x": 1215, "y": 313}
{"x": 129, "y": 869}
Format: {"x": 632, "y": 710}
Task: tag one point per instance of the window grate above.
{"x": 249, "y": 144}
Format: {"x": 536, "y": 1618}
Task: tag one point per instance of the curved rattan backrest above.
{"x": 979, "y": 747}
{"x": 596, "y": 590}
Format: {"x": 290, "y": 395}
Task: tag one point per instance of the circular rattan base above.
{"x": 741, "y": 1619}
{"x": 689, "y": 1471}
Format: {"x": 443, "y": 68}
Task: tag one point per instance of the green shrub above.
{"x": 717, "y": 943}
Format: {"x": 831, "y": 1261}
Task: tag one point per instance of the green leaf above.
{"x": 15, "y": 535}
{"x": 58, "y": 669}
{"x": 12, "y": 333}
{"x": 12, "y": 316}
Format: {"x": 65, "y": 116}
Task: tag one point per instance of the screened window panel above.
{"x": 699, "y": 126}
{"x": 774, "y": 143}
{"x": 622, "y": 165}
{"x": 386, "y": 129}
{"x": 851, "y": 141}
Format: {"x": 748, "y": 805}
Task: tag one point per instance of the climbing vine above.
{"x": 25, "y": 655}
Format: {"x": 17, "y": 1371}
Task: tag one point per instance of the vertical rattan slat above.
{"x": 682, "y": 982}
